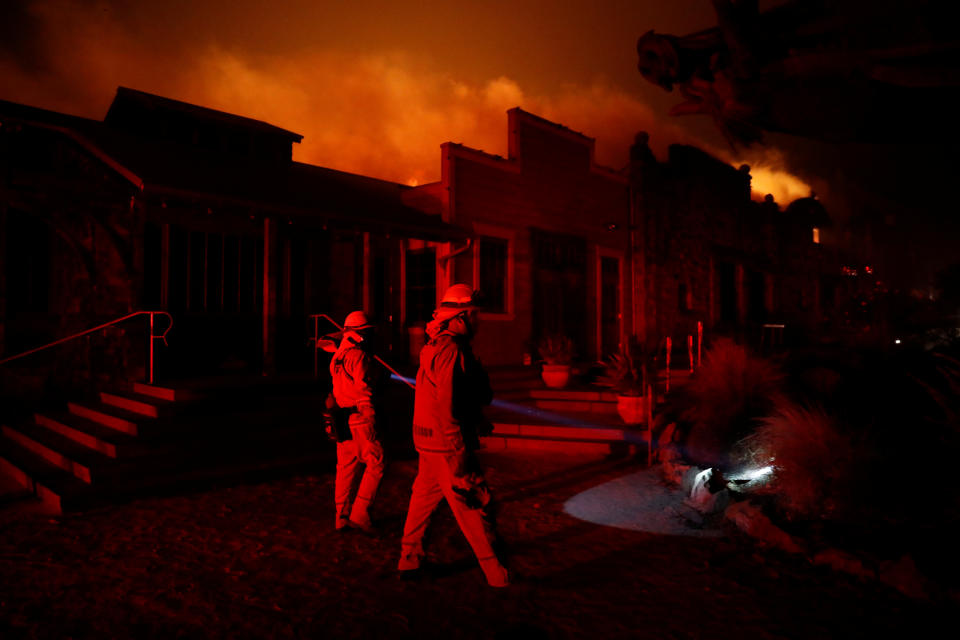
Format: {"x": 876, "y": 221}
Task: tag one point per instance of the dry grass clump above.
{"x": 815, "y": 464}
{"x": 727, "y": 395}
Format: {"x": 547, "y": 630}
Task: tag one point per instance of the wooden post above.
{"x": 650, "y": 400}
{"x": 699, "y": 343}
{"x": 3, "y": 263}
{"x": 270, "y": 265}
{"x": 316, "y": 345}
{"x": 669, "y": 350}
{"x": 150, "y": 379}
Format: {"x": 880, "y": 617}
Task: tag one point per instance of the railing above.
{"x": 153, "y": 336}
{"x": 316, "y": 336}
{"x": 316, "y": 347}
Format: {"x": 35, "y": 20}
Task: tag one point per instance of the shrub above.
{"x": 724, "y": 399}
{"x": 815, "y": 465}
{"x": 626, "y": 371}
{"x": 555, "y": 349}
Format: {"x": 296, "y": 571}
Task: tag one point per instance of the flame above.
{"x": 770, "y": 175}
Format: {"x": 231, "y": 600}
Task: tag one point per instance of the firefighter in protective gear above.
{"x": 452, "y": 389}
{"x": 353, "y": 374}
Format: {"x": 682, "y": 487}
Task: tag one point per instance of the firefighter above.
{"x": 452, "y": 388}
{"x": 353, "y": 373}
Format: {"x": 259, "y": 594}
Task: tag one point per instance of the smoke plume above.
{"x": 380, "y": 113}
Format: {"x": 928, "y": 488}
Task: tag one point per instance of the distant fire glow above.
{"x": 769, "y": 175}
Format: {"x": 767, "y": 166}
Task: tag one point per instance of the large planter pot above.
{"x": 631, "y": 409}
{"x": 555, "y": 376}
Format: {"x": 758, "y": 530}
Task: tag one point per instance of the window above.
{"x": 492, "y": 256}
{"x": 816, "y": 235}
{"x": 27, "y": 264}
{"x": 213, "y": 272}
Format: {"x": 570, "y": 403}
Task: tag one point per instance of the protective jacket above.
{"x": 452, "y": 389}
{"x": 353, "y": 388}
{"x": 353, "y": 379}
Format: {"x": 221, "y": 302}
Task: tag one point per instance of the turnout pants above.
{"x": 457, "y": 478}
{"x": 365, "y": 449}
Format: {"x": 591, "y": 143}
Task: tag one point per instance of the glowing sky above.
{"x": 374, "y": 87}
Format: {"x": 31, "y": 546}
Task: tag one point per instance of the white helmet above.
{"x": 356, "y": 321}
{"x": 459, "y": 296}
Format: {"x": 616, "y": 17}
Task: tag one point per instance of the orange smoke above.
{"x": 386, "y": 116}
{"x": 383, "y": 114}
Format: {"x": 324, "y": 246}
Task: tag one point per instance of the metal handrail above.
{"x": 316, "y": 346}
{"x": 162, "y": 336}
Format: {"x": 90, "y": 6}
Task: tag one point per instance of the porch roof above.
{"x": 312, "y": 195}
{"x": 296, "y": 190}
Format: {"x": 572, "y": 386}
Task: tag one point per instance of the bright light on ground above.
{"x": 753, "y": 474}
{"x": 639, "y": 502}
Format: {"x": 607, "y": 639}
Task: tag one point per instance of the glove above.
{"x": 469, "y": 497}
{"x": 327, "y": 417}
{"x": 484, "y": 427}
{"x": 329, "y": 426}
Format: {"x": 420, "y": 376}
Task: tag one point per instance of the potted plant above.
{"x": 624, "y": 373}
{"x": 556, "y": 351}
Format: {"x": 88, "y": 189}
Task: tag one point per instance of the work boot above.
{"x": 365, "y": 527}
{"x": 495, "y": 572}
{"x": 342, "y": 526}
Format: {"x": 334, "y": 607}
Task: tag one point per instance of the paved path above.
{"x": 262, "y": 560}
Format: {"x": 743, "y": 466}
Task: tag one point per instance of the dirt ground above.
{"x": 262, "y": 561}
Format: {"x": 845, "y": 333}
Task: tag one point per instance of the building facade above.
{"x": 550, "y": 247}
{"x": 202, "y": 214}
{"x": 167, "y": 206}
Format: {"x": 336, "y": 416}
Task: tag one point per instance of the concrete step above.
{"x": 512, "y": 395}
{"x": 93, "y": 435}
{"x": 509, "y": 372}
{"x": 11, "y": 490}
{"x": 514, "y": 378}
{"x": 56, "y": 449}
{"x": 601, "y": 448}
{"x": 580, "y": 406}
{"x": 116, "y": 418}
{"x": 169, "y": 394}
{"x": 57, "y": 490}
{"x": 528, "y": 426}
{"x": 575, "y": 395}
{"x": 568, "y": 432}
{"x": 147, "y": 406}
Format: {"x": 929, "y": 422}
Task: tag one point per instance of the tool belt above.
{"x": 336, "y": 420}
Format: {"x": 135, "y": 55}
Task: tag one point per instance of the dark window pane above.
{"x": 231, "y": 272}
{"x": 27, "y": 264}
{"x": 421, "y": 285}
{"x": 493, "y": 273}
{"x": 214, "y": 272}
{"x": 178, "y": 269}
{"x": 197, "y": 279}
{"x": 152, "y": 256}
{"x": 247, "y": 272}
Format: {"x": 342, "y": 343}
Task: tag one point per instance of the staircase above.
{"x": 527, "y": 415}
{"x": 136, "y": 439}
